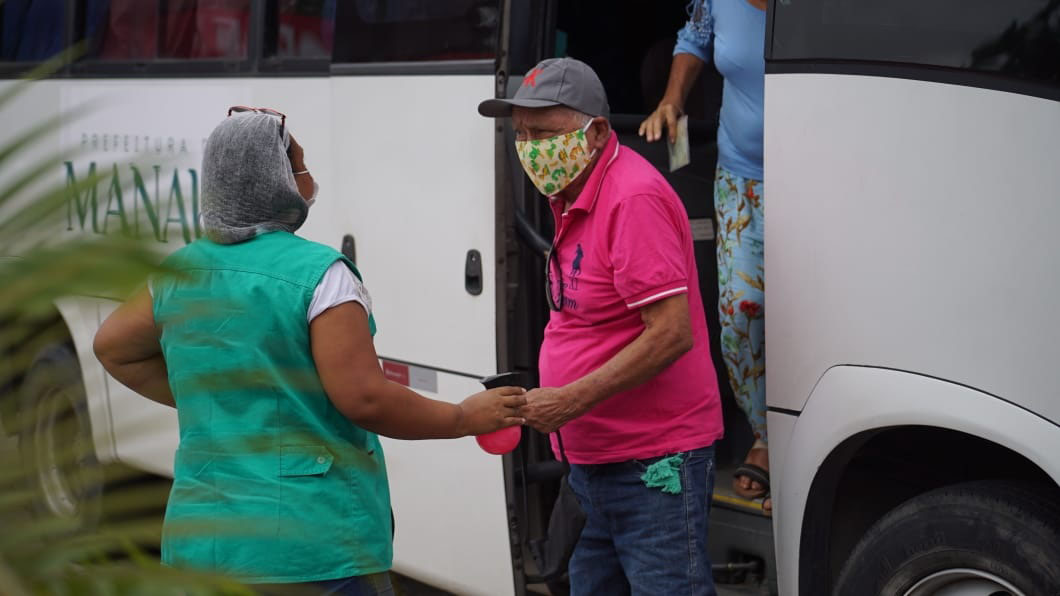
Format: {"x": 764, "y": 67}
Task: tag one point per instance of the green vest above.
{"x": 271, "y": 482}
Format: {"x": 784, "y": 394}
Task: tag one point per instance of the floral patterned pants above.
{"x": 738, "y": 209}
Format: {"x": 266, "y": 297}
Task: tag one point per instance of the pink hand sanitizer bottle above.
{"x": 504, "y": 440}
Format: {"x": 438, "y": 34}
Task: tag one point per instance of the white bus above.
{"x": 911, "y": 160}
{"x": 873, "y": 402}
{"x": 422, "y": 192}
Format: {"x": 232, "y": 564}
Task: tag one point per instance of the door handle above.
{"x": 473, "y": 272}
{"x": 349, "y": 248}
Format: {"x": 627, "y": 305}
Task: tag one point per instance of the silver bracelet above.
{"x": 302, "y": 172}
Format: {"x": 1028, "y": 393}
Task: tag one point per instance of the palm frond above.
{"x": 38, "y": 267}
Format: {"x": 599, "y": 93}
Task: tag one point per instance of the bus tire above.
{"x": 55, "y": 440}
{"x": 1001, "y": 535}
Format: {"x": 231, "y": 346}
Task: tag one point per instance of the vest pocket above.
{"x": 314, "y": 512}
{"x": 305, "y": 460}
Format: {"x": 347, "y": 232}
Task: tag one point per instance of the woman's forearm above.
{"x": 127, "y": 345}
{"x": 392, "y": 410}
{"x": 683, "y": 73}
{"x": 148, "y": 377}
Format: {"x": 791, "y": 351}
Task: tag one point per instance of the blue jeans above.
{"x": 640, "y": 540}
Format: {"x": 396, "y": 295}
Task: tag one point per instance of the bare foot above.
{"x": 744, "y": 486}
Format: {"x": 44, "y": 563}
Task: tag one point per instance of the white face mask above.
{"x": 313, "y": 197}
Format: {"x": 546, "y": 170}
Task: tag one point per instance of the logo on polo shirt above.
{"x": 576, "y": 267}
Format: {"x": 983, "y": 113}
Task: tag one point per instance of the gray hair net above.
{"x": 248, "y": 187}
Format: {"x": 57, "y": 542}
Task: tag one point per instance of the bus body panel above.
{"x": 164, "y": 125}
{"x": 414, "y": 166}
{"x": 417, "y": 192}
{"x": 82, "y": 319}
{"x": 849, "y": 400}
{"x": 911, "y": 225}
{"x": 450, "y": 510}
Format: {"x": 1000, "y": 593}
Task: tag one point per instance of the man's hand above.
{"x": 549, "y": 408}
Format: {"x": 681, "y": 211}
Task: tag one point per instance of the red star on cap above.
{"x": 531, "y": 77}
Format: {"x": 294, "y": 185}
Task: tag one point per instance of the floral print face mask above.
{"x": 552, "y": 164}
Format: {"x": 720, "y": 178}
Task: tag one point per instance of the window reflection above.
{"x": 176, "y": 29}
{"x": 306, "y": 28}
{"x": 31, "y": 30}
{"x": 399, "y": 30}
{"x": 122, "y": 29}
{"x": 1030, "y": 48}
{"x": 1015, "y": 37}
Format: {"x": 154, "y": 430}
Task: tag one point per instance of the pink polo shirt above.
{"x": 626, "y": 243}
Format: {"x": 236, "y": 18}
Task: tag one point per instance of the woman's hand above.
{"x": 683, "y": 73}
{"x": 127, "y": 345}
{"x": 303, "y": 179}
{"x": 665, "y": 115}
{"x": 492, "y": 410}
{"x": 296, "y": 154}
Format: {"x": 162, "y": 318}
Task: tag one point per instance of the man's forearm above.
{"x": 644, "y": 358}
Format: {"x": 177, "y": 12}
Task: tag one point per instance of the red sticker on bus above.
{"x": 398, "y": 373}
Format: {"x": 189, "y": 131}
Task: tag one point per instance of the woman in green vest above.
{"x": 263, "y": 342}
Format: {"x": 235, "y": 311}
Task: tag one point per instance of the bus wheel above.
{"x": 58, "y": 455}
{"x": 994, "y": 538}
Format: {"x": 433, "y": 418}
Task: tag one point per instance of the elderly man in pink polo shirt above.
{"x": 625, "y": 364}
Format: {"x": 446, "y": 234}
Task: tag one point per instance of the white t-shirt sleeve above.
{"x": 338, "y": 286}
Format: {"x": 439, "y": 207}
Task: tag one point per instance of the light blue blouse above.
{"x": 735, "y": 31}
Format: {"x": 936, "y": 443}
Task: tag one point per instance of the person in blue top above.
{"x": 733, "y": 33}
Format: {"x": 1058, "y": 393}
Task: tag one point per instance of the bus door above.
{"x": 414, "y": 172}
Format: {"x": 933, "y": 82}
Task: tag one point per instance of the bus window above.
{"x": 305, "y": 28}
{"x": 416, "y": 30}
{"x": 31, "y": 30}
{"x": 175, "y": 29}
{"x": 1019, "y": 38}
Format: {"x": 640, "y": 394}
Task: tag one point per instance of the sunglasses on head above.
{"x": 269, "y": 111}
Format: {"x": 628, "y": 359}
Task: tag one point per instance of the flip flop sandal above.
{"x": 754, "y": 474}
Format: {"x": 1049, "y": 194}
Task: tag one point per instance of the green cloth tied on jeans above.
{"x": 664, "y": 474}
